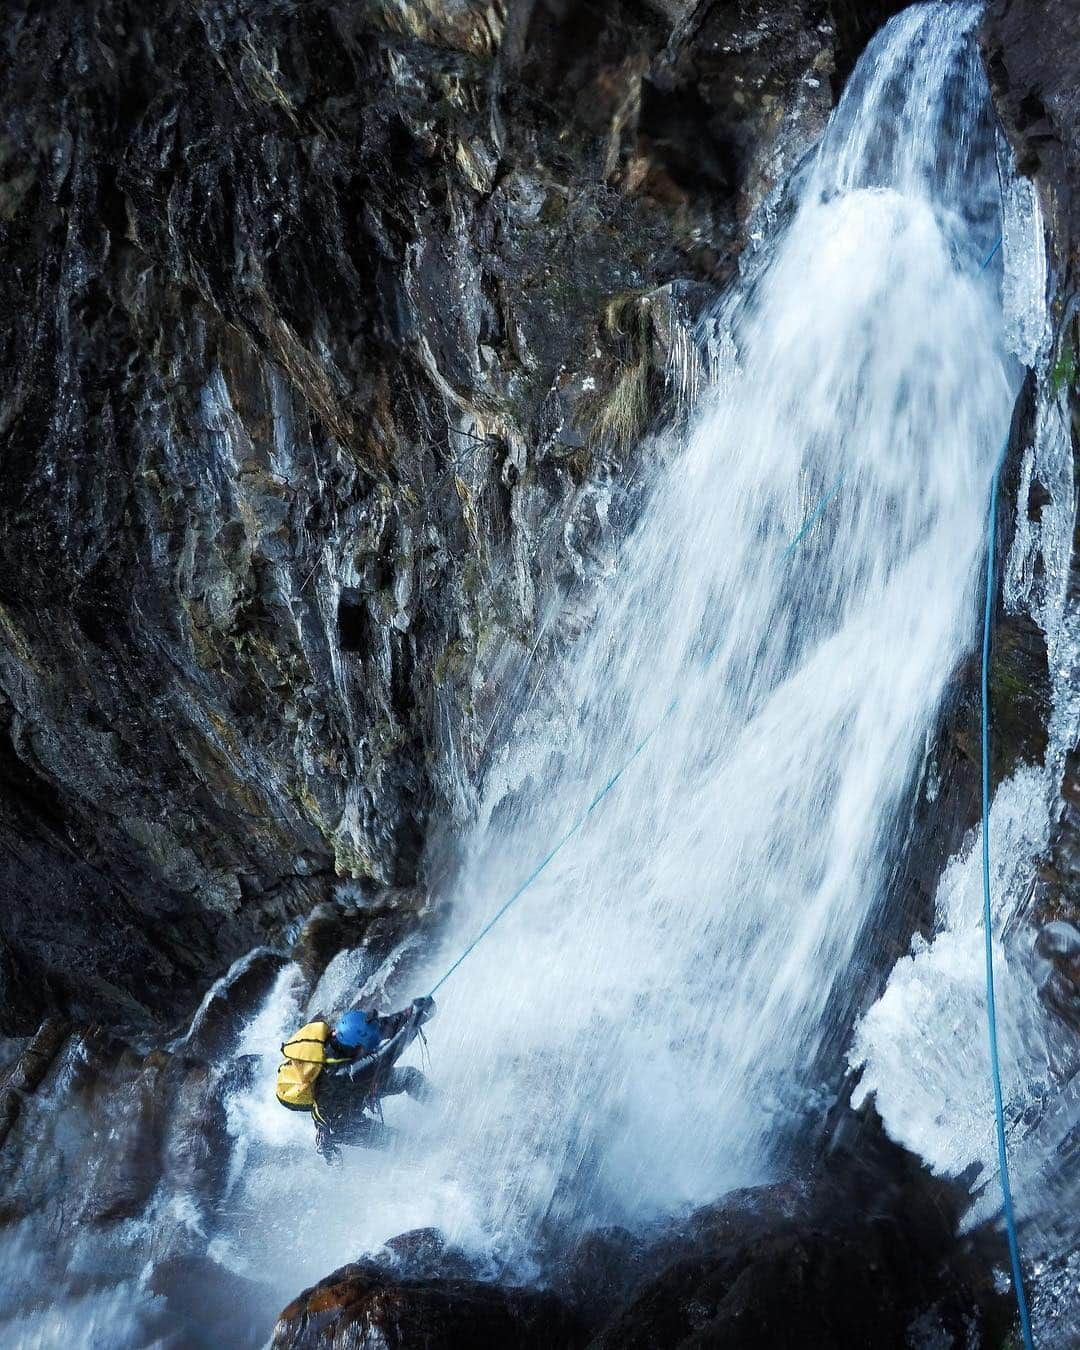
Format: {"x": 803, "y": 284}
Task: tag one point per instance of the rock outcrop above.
{"x": 360, "y": 1305}
{"x": 1032, "y": 54}
{"x": 866, "y": 1254}
{"x": 334, "y": 331}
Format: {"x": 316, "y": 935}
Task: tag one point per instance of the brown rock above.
{"x": 360, "y": 1306}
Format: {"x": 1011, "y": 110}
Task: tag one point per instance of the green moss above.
{"x": 1063, "y": 374}
{"x": 449, "y": 661}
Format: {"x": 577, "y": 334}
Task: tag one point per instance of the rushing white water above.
{"x": 648, "y": 1025}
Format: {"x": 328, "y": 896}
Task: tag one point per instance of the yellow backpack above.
{"x": 305, "y": 1055}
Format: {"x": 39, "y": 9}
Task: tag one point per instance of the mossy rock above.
{"x": 1019, "y": 694}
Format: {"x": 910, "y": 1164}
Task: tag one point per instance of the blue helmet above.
{"x": 356, "y": 1031}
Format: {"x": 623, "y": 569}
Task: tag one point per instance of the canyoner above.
{"x": 340, "y": 1074}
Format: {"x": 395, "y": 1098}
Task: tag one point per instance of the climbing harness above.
{"x": 988, "y": 933}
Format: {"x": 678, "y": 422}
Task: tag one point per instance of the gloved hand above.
{"x": 423, "y": 1009}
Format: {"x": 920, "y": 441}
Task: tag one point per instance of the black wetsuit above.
{"x": 347, "y": 1095}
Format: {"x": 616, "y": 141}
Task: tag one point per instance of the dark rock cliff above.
{"x": 333, "y": 332}
{"x": 1032, "y": 54}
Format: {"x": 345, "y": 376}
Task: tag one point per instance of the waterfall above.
{"x": 651, "y": 1023}
{"x": 668, "y": 1010}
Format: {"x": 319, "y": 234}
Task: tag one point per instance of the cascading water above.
{"x": 645, "y": 1028}
{"x": 663, "y": 1013}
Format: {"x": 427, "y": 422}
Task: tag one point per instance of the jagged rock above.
{"x": 213, "y": 1033}
{"x": 1032, "y": 53}
{"x": 857, "y": 1255}
{"x": 377, "y": 923}
{"x": 301, "y": 422}
{"x": 27, "y": 1071}
{"x": 105, "y": 1126}
{"x": 424, "y": 1254}
{"x": 360, "y": 1306}
{"x": 864, "y": 1253}
{"x": 195, "y": 1141}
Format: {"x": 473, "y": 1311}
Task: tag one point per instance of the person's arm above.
{"x": 391, "y": 1023}
{"x": 386, "y": 1054}
{"x": 406, "y": 1024}
{"x": 418, "y": 1012}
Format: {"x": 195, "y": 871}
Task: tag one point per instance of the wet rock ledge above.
{"x": 863, "y": 1254}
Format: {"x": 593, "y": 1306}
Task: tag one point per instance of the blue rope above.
{"x": 814, "y": 516}
{"x": 990, "y": 256}
{"x": 807, "y": 526}
{"x": 988, "y": 935}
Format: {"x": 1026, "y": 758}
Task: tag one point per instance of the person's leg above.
{"x": 345, "y": 1112}
{"x": 408, "y": 1080}
{"x": 366, "y": 1132}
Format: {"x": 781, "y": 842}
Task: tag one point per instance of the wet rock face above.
{"x": 866, "y": 1255}
{"x": 28, "y": 1069}
{"x": 378, "y": 923}
{"x": 333, "y": 330}
{"x": 1032, "y": 53}
{"x": 94, "y": 1141}
{"x": 360, "y": 1306}
{"x": 92, "y": 1127}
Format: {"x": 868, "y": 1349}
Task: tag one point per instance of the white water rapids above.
{"x": 643, "y": 1028}
{"x": 664, "y": 1013}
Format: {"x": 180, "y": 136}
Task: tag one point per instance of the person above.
{"x": 361, "y": 1069}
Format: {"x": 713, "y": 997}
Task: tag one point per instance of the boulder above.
{"x": 361, "y": 1306}
{"x": 865, "y": 1251}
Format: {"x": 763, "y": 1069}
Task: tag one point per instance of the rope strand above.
{"x": 807, "y": 526}
{"x": 988, "y": 932}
